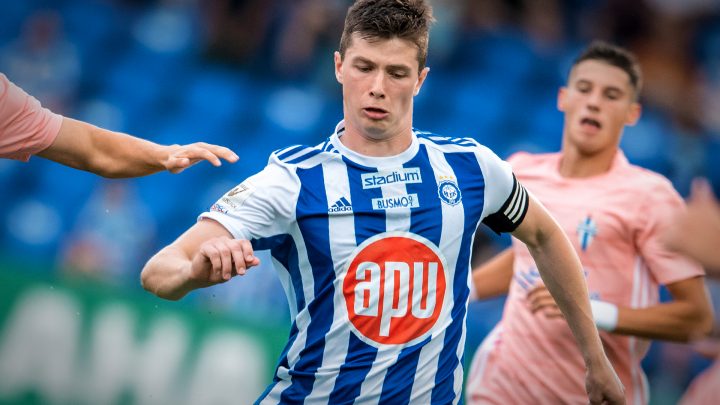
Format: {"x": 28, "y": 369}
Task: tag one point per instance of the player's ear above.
{"x": 634, "y": 114}
{"x": 338, "y": 67}
{"x": 421, "y": 79}
{"x": 562, "y": 94}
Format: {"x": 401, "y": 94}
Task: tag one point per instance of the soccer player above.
{"x": 615, "y": 214}
{"x": 26, "y": 128}
{"x": 370, "y": 232}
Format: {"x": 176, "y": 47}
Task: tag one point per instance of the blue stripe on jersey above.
{"x": 305, "y": 156}
{"x": 290, "y": 151}
{"x": 399, "y": 379}
{"x": 282, "y": 362}
{"x": 425, "y": 220}
{"x": 442, "y": 140}
{"x": 359, "y": 359}
{"x": 360, "y": 355}
{"x": 472, "y": 185}
{"x": 313, "y": 227}
{"x": 283, "y": 249}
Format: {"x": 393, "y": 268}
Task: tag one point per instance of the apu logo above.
{"x": 395, "y": 288}
{"x": 449, "y": 192}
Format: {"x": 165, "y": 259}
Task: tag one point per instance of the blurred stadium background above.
{"x": 255, "y": 75}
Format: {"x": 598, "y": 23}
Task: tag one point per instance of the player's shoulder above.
{"x": 640, "y": 178}
{"x": 303, "y": 156}
{"x": 447, "y": 143}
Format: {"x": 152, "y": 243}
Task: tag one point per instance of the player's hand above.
{"x": 603, "y": 385}
{"x": 696, "y": 231}
{"x": 541, "y": 301}
{"x": 180, "y": 157}
{"x": 219, "y": 259}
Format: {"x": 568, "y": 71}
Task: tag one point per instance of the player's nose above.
{"x": 377, "y": 89}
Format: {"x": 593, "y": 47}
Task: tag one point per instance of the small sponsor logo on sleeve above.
{"x": 238, "y": 195}
{"x": 219, "y": 208}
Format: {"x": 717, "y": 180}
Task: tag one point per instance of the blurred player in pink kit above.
{"x": 615, "y": 214}
{"x": 26, "y": 129}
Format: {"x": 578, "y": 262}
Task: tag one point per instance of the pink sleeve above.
{"x": 26, "y": 127}
{"x": 661, "y": 205}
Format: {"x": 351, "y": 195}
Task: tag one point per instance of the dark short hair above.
{"x": 615, "y": 56}
{"x": 387, "y": 19}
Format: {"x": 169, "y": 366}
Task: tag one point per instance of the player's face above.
{"x": 598, "y": 102}
{"x": 379, "y": 80}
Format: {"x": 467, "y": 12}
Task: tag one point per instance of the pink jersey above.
{"x": 614, "y": 221}
{"x": 26, "y": 127}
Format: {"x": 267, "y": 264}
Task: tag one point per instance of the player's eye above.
{"x": 363, "y": 69}
{"x": 612, "y": 95}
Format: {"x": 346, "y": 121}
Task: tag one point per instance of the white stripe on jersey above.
{"x": 395, "y": 220}
{"x": 639, "y": 299}
{"x": 337, "y": 186}
{"x": 450, "y": 241}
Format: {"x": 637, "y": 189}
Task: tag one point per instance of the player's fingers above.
{"x": 220, "y": 151}
{"x": 176, "y": 165}
{"x": 537, "y": 291}
{"x": 552, "y": 312}
{"x": 248, "y": 258}
{"x": 210, "y": 251}
{"x": 541, "y": 304}
{"x": 226, "y": 258}
{"x": 238, "y": 259}
{"x": 197, "y": 153}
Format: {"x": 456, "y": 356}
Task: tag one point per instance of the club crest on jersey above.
{"x": 586, "y": 231}
{"x": 395, "y": 289}
{"x": 404, "y": 175}
{"x": 449, "y": 192}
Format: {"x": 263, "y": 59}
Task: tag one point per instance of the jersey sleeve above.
{"x": 26, "y": 128}
{"x": 655, "y": 216}
{"x": 261, "y": 206}
{"x": 506, "y": 200}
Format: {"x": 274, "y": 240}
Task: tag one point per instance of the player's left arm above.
{"x": 688, "y": 316}
{"x": 117, "y": 155}
{"x": 561, "y": 271}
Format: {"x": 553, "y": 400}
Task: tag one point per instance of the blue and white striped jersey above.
{"x": 374, "y": 255}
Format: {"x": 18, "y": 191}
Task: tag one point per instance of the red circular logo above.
{"x": 395, "y": 288}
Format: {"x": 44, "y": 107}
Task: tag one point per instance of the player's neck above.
{"x": 575, "y": 164}
{"x": 364, "y": 144}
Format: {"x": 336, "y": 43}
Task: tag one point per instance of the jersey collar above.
{"x": 374, "y": 161}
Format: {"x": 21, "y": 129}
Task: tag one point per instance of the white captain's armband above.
{"x": 512, "y": 212}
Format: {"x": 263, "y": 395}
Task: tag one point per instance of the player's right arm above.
{"x": 493, "y": 278}
{"x": 112, "y": 154}
{"x": 205, "y": 255}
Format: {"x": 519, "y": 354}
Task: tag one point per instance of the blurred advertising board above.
{"x": 79, "y": 342}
